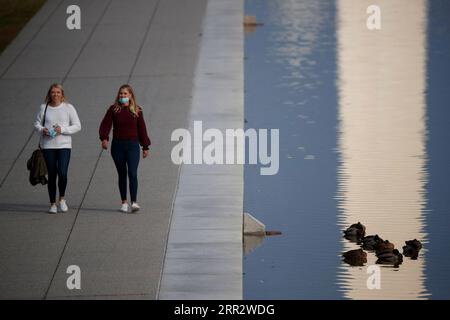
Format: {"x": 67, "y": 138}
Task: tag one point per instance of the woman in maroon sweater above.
{"x": 129, "y": 130}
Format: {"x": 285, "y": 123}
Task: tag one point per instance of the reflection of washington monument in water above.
{"x": 382, "y": 82}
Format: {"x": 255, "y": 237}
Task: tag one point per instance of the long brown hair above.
{"x": 134, "y": 108}
{"x": 48, "y": 98}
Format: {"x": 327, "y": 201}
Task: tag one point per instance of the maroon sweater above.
{"x": 125, "y": 126}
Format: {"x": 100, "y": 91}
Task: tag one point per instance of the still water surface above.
{"x": 364, "y": 123}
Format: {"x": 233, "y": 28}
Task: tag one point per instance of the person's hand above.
{"x": 45, "y": 132}
{"x": 58, "y": 129}
{"x": 145, "y": 153}
{"x": 105, "y": 144}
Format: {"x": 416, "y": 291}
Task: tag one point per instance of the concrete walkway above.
{"x": 204, "y": 253}
{"x": 154, "y": 46}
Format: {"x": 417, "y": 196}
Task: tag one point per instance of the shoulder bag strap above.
{"x": 43, "y": 124}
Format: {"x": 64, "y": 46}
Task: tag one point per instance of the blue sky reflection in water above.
{"x": 363, "y": 132}
{"x": 290, "y": 85}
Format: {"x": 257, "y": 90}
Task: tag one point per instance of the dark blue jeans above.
{"x": 57, "y": 161}
{"x": 126, "y": 158}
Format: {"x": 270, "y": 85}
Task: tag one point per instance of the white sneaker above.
{"x": 124, "y": 207}
{"x": 135, "y": 207}
{"x": 53, "y": 209}
{"x": 63, "y": 206}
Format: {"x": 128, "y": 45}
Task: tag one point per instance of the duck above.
{"x": 394, "y": 258}
{"x": 370, "y": 242}
{"x": 384, "y": 247}
{"x": 355, "y": 257}
{"x": 412, "y": 248}
{"x": 355, "y": 232}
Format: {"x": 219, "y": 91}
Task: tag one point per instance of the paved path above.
{"x": 204, "y": 253}
{"x": 151, "y": 44}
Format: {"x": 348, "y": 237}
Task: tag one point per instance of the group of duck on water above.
{"x": 384, "y": 250}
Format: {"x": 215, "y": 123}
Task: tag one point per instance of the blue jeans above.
{"x": 57, "y": 161}
{"x": 126, "y": 154}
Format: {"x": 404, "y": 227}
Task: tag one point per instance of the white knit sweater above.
{"x": 63, "y": 115}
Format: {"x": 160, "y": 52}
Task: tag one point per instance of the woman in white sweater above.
{"x": 56, "y": 127}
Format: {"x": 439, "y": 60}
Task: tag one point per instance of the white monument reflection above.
{"x": 381, "y": 140}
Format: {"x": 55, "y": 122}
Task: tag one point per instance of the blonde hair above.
{"x": 48, "y": 98}
{"x": 134, "y": 108}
